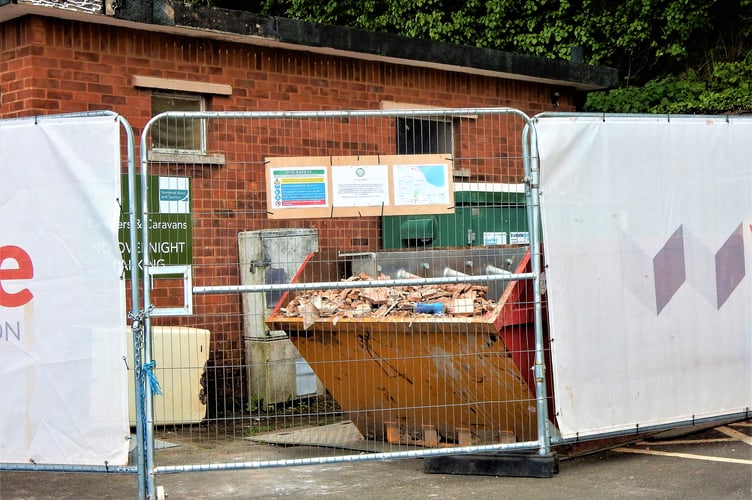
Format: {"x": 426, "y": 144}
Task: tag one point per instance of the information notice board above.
{"x": 345, "y": 186}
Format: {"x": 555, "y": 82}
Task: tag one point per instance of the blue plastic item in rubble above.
{"x": 434, "y": 308}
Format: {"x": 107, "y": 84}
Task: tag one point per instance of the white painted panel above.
{"x": 647, "y": 226}
{"x": 63, "y": 322}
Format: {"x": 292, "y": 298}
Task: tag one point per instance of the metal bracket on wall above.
{"x": 257, "y": 264}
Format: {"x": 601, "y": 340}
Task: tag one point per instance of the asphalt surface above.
{"x": 712, "y": 464}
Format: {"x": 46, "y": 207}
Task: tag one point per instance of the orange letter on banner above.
{"x": 24, "y": 270}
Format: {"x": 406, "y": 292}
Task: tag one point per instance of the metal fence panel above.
{"x": 51, "y": 427}
{"x": 361, "y": 286}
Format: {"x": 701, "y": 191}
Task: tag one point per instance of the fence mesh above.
{"x": 357, "y": 283}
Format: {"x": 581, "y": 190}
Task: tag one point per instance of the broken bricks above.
{"x": 457, "y": 299}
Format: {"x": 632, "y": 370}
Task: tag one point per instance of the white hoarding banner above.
{"x": 647, "y": 228}
{"x": 62, "y": 304}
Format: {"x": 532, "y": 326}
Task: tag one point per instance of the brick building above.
{"x": 138, "y": 58}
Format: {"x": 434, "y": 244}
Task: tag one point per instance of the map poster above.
{"x": 421, "y": 184}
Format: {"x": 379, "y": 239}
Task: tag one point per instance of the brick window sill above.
{"x": 212, "y": 159}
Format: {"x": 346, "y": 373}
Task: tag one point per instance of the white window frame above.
{"x": 202, "y": 123}
{"x": 184, "y": 88}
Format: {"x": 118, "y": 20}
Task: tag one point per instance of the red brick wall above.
{"x": 50, "y": 66}
{"x": 56, "y": 66}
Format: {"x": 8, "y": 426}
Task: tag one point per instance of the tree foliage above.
{"x": 726, "y": 90}
{"x": 672, "y": 55}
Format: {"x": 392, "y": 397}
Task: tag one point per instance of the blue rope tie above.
{"x": 153, "y": 382}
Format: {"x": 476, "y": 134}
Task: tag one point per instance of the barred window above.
{"x": 420, "y": 136}
{"x": 179, "y": 135}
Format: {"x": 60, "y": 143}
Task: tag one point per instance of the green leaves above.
{"x": 727, "y": 89}
{"x": 685, "y": 55}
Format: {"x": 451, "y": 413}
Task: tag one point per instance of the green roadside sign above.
{"x": 168, "y": 220}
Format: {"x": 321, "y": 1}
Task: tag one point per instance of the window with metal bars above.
{"x": 421, "y": 136}
{"x": 178, "y": 135}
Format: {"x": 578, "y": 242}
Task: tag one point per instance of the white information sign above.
{"x": 647, "y": 228}
{"x": 360, "y": 185}
{"x": 62, "y": 307}
{"x": 174, "y": 195}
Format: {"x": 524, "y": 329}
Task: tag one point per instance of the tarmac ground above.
{"x": 712, "y": 464}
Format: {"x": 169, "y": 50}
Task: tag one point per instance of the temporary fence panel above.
{"x": 360, "y": 282}
{"x": 647, "y": 224}
{"x": 62, "y": 302}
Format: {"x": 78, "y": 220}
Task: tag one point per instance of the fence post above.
{"x": 532, "y": 180}
{"x": 136, "y": 314}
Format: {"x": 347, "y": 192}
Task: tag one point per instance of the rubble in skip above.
{"x": 457, "y": 299}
